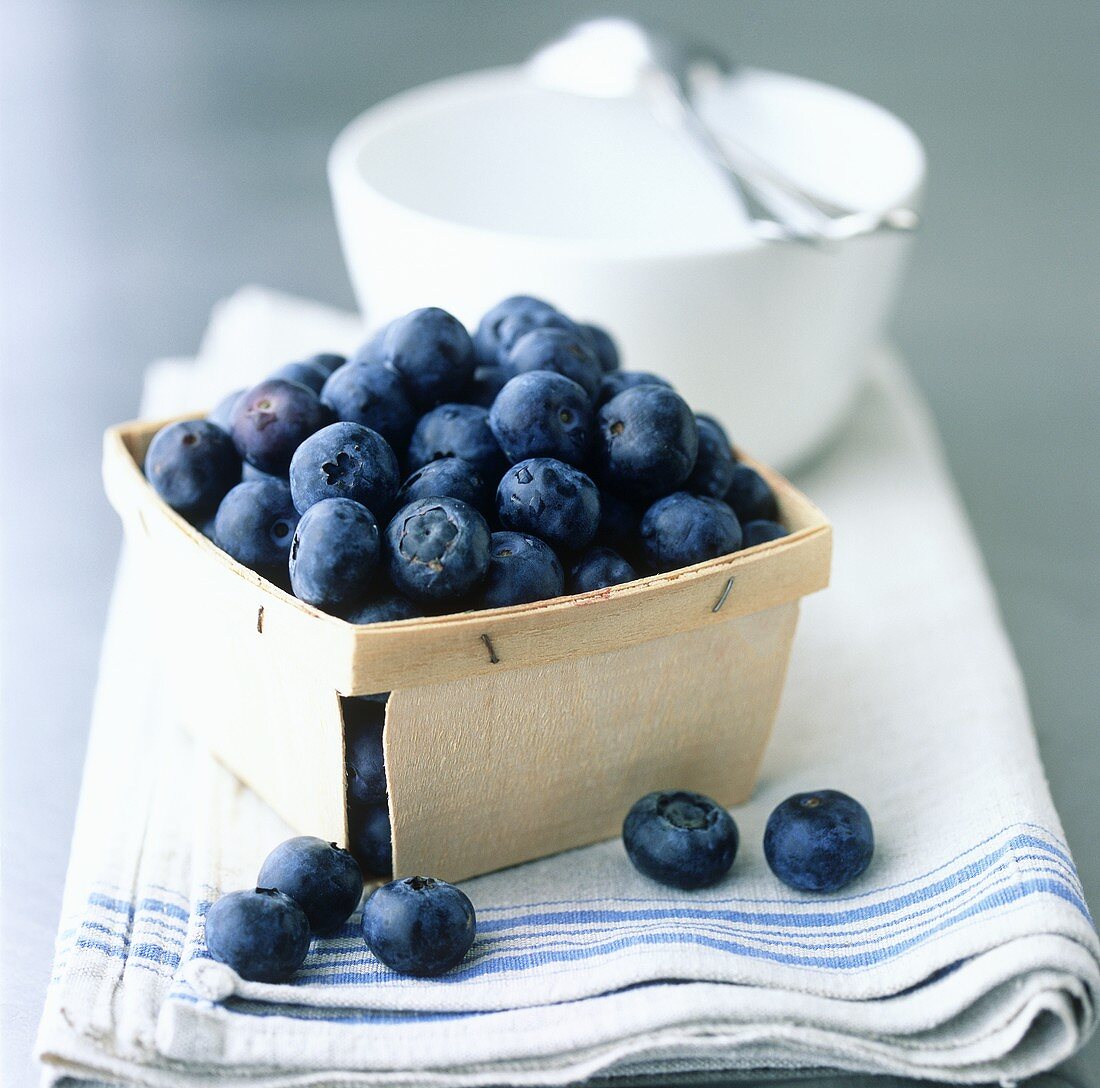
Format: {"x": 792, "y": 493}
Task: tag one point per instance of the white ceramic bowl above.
{"x": 461, "y": 192}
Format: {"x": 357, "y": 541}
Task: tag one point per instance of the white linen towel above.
{"x": 965, "y": 953}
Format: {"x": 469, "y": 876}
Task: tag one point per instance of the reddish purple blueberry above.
{"x": 272, "y": 419}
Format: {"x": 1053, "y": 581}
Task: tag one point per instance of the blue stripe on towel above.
{"x": 854, "y": 933}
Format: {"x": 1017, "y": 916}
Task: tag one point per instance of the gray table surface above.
{"x": 157, "y": 156}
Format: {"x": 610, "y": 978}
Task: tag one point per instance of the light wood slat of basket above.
{"x": 492, "y": 770}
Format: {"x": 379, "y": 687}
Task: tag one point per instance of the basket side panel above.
{"x": 493, "y": 770}
{"x": 231, "y": 682}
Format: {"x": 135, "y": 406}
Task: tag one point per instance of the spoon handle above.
{"x": 763, "y": 217}
{"x": 770, "y": 221}
{"x": 748, "y": 163}
{"x": 778, "y": 208}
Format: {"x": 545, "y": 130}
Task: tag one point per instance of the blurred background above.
{"x": 158, "y": 155}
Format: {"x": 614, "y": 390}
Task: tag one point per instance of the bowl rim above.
{"x": 348, "y": 181}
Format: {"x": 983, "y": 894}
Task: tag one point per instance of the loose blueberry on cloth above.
{"x": 322, "y": 879}
{"x": 964, "y": 953}
{"x": 819, "y": 841}
{"x": 680, "y": 838}
{"x": 419, "y": 925}
{"x": 262, "y": 934}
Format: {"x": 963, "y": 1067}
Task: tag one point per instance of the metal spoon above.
{"x": 617, "y": 58}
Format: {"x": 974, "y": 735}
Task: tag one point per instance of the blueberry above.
{"x": 255, "y": 524}
{"x": 272, "y": 419}
{"x": 620, "y": 520}
{"x": 328, "y": 361}
{"x": 611, "y": 385}
{"x": 373, "y": 395}
{"x": 486, "y": 383}
{"x": 682, "y": 529}
{"x": 517, "y": 325}
{"x": 439, "y": 549}
{"x": 451, "y": 477}
{"x": 384, "y": 609}
{"x": 714, "y": 464}
{"x": 599, "y": 568}
{"x": 223, "y": 410}
{"x": 750, "y": 496}
{"x": 726, "y": 443}
{"x": 456, "y": 430}
{"x": 192, "y": 464}
{"x": 348, "y": 461}
{"x": 371, "y": 838}
{"x": 419, "y": 926}
{"x": 550, "y": 499}
{"x": 819, "y": 841}
{"x": 487, "y": 345}
{"x": 606, "y": 350}
{"x": 522, "y": 569}
{"x": 322, "y": 879}
{"x": 543, "y": 414}
{"x": 366, "y": 769}
{"x": 761, "y": 532}
{"x": 561, "y": 351}
{"x": 432, "y": 352}
{"x": 334, "y": 554}
{"x": 373, "y": 349}
{"x": 647, "y": 442}
{"x": 308, "y": 374}
{"x": 263, "y": 934}
{"x": 680, "y": 838}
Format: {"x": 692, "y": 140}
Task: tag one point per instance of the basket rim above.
{"x": 766, "y": 575}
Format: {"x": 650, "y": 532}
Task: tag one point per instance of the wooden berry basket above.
{"x": 511, "y": 733}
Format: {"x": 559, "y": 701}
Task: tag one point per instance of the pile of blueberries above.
{"x": 814, "y": 842}
{"x": 308, "y": 887}
{"x": 435, "y": 471}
